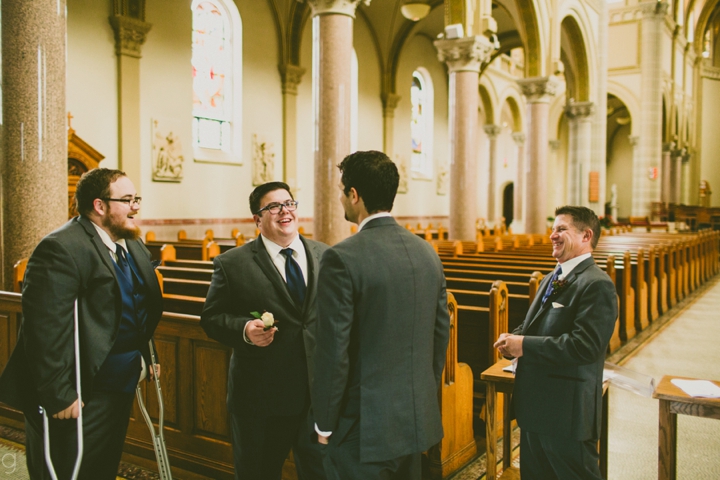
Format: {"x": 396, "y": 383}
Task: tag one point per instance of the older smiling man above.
{"x": 560, "y": 349}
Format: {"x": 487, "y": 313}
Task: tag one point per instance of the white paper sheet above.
{"x": 697, "y": 388}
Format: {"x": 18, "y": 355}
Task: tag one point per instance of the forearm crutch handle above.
{"x": 158, "y": 437}
{"x": 46, "y": 423}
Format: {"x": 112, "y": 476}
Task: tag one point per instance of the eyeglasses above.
{"x": 128, "y": 201}
{"x": 275, "y": 208}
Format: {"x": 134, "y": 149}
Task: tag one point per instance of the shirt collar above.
{"x": 105, "y": 237}
{"x": 274, "y": 249}
{"x": 570, "y": 265}
{"x": 373, "y": 217}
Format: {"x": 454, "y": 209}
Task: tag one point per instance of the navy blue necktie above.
{"x": 549, "y": 289}
{"x": 122, "y": 261}
{"x": 294, "y": 277}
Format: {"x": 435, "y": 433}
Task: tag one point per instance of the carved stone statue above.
{"x": 263, "y": 161}
{"x": 613, "y": 202}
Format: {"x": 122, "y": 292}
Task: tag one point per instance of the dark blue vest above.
{"x": 121, "y": 370}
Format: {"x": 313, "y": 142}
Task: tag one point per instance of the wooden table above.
{"x": 674, "y": 401}
{"x": 499, "y": 381}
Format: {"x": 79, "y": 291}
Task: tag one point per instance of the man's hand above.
{"x": 70, "y": 412}
{"x": 323, "y": 440}
{"x": 155, "y": 371}
{"x": 509, "y": 345}
{"x": 255, "y": 332}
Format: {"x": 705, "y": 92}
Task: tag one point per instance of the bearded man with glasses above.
{"x": 97, "y": 259}
{"x": 271, "y": 367}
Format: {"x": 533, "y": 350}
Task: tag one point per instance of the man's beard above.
{"x": 120, "y": 231}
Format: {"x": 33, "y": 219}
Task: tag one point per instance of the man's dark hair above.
{"x": 582, "y": 219}
{"x": 263, "y": 190}
{"x": 375, "y": 178}
{"x": 94, "y": 184}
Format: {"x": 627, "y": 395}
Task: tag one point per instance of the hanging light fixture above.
{"x": 415, "y": 10}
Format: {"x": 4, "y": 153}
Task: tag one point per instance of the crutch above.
{"x": 46, "y": 423}
{"x": 158, "y": 438}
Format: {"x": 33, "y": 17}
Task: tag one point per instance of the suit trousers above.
{"x": 548, "y": 457}
{"x": 342, "y": 461}
{"x": 105, "y": 421}
{"x": 262, "y": 443}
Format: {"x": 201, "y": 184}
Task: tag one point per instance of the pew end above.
{"x": 19, "y": 274}
{"x": 149, "y": 236}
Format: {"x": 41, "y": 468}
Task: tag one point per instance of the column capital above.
{"x": 668, "y": 147}
{"x": 518, "y": 138}
{"x": 491, "y": 130}
{"x": 336, "y": 7}
{"x": 554, "y": 145}
{"x": 130, "y": 34}
{"x": 291, "y": 76}
{"x": 634, "y": 140}
{"x": 538, "y": 89}
{"x": 464, "y": 54}
{"x": 390, "y": 103}
{"x": 656, "y": 9}
{"x": 579, "y": 110}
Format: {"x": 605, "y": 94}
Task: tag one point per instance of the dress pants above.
{"x": 549, "y": 457}
{"x": 262, "y": 443}
{"x": 105, "y": 421}
{"x": 342, "y": 461}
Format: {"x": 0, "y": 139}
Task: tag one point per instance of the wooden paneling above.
{"x": 209, "y": 373}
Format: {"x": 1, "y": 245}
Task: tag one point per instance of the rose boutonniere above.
{"x": 558, "y": 286}
{"x": 267, "y": 319}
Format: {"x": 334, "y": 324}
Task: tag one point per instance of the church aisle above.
{"x": 685, "y": 345}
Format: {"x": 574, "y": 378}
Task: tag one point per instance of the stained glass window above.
{"x": 213, "y": 71}
{"x": 421, "y": 125}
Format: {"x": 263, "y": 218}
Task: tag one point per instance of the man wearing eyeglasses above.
{"x": 270, "y": 370}
{"x": 97, "y": 259}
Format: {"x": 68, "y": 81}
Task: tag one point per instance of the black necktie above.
{"x": 122, "y": 261}
{"x": 549, "y": 289}
{"x": 294, "y": 277}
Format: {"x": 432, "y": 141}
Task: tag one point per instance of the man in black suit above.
{"x": 96, "y": 259}
{"x": 383, "y": 330}
{"x": 560, "y": 350}
{"x": 271, "y": 368}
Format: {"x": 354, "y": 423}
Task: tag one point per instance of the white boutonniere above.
{"x": 267, "y": 318}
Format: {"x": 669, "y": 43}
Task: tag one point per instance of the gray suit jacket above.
{"x": 558, "y": 382}
{"x": 382, "y": 338}
{"x": 71, "y": 262}
{"x": 272, "y": 380}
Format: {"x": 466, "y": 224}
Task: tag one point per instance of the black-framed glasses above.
{"x": 128, "y": 201}
{"x": 275, "y": 208}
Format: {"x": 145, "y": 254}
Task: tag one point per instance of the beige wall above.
{"x": 710, "y": 161}
{"x": 620, "y": 171}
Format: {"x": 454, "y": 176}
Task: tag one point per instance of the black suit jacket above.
{"x": 272, "y": 380}
{"x": 71, "y": 262}
{"x": 382, "y": 339}
{"x": 558, "y": 382}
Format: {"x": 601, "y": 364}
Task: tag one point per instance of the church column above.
{"x": 519, "y": 138}
{"x": 390, "y": 102}
{"x": 581, "y": 115}
{"x": 291, "y": 76}
{"x": 676, "y": 175}
{"x": 336, "y": 21}
{"x": 463, "y": 57}
{"x": 492, "y": 132}
{"x": 646, "y": 189}
{"x": 666, "y": 171}
{"x": 130, "y": 28}
{"x": 538, "y": 91}
{"x": 34, "y": 166}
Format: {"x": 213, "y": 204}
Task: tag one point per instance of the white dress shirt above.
{"x": 373, "y": 217}
{"x": 570, "y": 265}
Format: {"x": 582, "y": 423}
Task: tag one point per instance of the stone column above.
{"x": 130, "y": 32}
{"x": 336, "y": 21}
{"x": 645, "y": 189}
{"x": 635, "y": 143}
{"x": 598, "y": 155}
{"x": 291, "y": 76}
{"x": 666, "y": 171}
{"x": 34, "y": 166}
{"x": 676, "y": 177}
{"x": 538, "y": 91}
{"x": 463, "y": 57}
{"x": 492, "y": 132}
{"x": 581, "y": 115}
{"x": 519, "y": 138}
{"x": 390, "y": 102}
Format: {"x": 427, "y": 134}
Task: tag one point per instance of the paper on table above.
{"x": 697, "y": 388}
{"x": 511, "y": 368}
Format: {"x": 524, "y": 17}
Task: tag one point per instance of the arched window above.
{"x": 217, "y": 73}
{"x": 421, "y": 124}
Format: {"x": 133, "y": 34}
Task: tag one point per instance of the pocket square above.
{"x": 557, "y": 305}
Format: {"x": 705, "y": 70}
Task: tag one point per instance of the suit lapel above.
{"x": 145, "y": 268}
{"x": 313, "y": 263}
{"x": 101, "y": 248}
{"x": 268, "y": 268}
